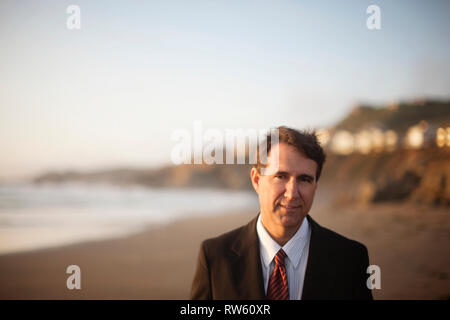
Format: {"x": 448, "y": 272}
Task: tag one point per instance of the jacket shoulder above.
{"x": 223, "y": 241}
{"x": 339, "y": 242}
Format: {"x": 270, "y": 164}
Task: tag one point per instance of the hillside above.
{"x": 421, "y": 176}
{"x": 182, "y": 176}
{"x": 398, "y": 117}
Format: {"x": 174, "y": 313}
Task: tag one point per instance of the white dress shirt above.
{"x": 296, "y": 250}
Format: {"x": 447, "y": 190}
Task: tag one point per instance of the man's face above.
{"x": 286, "y": 191}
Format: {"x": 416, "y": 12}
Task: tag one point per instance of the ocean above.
{"x": 49, "y": 215}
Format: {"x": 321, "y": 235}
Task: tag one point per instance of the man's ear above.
{"x": 254, "y": 176}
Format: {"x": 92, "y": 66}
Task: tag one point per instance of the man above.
{"x": 283, "y": 253}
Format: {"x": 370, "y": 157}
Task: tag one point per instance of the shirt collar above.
{"x": 293, "y": 248}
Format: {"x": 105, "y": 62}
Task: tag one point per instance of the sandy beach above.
{"x": 409, "y": 243}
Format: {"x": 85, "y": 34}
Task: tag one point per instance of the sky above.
{"x": 111, "y": 93}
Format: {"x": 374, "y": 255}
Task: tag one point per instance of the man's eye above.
{"x": 279, "y": 176}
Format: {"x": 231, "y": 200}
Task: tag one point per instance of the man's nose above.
{"x": 291, "y": 190}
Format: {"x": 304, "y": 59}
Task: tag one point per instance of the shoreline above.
{"x": 109, "y": 233}
{"x": 34, "y": 218}
{"x": 129, "y": 234}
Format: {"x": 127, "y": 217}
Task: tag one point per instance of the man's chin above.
{"x": 290, "y": 211}
{"x": 291, "y": 219}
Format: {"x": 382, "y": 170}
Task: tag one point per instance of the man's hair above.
{"x": 304, "y": 141}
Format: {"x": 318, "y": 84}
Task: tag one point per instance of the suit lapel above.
{"x": 247, "y": 275}
{"x": 319, "y": 271}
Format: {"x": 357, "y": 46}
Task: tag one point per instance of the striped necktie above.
{"x": 278, "y": 285}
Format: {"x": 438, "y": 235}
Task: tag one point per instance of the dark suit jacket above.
{"x": 229, "y": 267}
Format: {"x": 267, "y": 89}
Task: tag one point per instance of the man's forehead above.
{"x": 298, "y": 170}
{"x": 290, "y": 160}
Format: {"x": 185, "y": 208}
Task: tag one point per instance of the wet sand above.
{"x": 409, "y": 243}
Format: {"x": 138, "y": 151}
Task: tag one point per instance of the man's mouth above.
{"x": 290, "y": 207}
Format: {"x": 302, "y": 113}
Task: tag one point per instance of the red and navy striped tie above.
{"x": 278, "y": 285}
